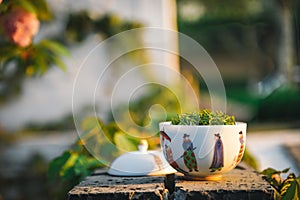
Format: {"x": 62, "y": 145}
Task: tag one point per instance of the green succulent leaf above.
{"x": 204, "y": 117}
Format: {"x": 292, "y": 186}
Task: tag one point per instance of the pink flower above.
{"x": 20, "y": 26}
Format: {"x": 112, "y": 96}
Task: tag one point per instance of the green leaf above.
{"x": 68, "y": 174}
{"x": 93, "y": 163}
{"x": 59, "y": 63}
{"x": 45, "y": 54}
{"x": 67, "y": 170}
{"x": 55, "y": 47}
{"x": 85, "y": 165}
{"x": 81, "y": 166}
{"x": 285, "y": 170}
{"x": 204, "y": 117}
{"x": 292, "y": 192}
{"x": 110, "y": 130}
{"x": 40, "y": 62}
{"x": 9, "y": 51}
{"x": 274, "y": 178}
{"x": 249, "y": 159}
{"x": 90, "y": 123}
{"x": 189, "y": 119}
{"x": 271, "y": 171}
{"x": 42, "y": 9}
{"x": 3, "y": 8}
{"x": 124, "y": 142}
{"x": 56, "y": 165}
{"x": 175, "y": 120}
{"x": 27, "y": 5}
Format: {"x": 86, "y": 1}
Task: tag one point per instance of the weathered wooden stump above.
{"x": 240, "y": 183}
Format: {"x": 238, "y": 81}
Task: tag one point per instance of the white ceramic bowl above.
{"x": 203, "y": 152}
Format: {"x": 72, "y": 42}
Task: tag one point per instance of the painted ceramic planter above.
{"x": 203, "y": 152}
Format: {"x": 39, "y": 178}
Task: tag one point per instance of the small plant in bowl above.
{"x": 203, "y": 145}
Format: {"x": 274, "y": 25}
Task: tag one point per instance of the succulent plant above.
{"x": 204, "y": 117}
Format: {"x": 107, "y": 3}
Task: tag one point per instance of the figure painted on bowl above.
{"x": 188, "y": 154}
{"x": 166, "y": 141}
{"x": 239, "y": 157}
{"x": 218, "y": 158}
{"x": 242, "y": 147}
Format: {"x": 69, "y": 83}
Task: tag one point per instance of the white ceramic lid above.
{"x": 140, "y": 163}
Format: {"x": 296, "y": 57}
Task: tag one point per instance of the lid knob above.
{"x": 143, "y": 146}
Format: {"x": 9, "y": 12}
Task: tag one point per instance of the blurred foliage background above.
{"x": 255, "y": 45}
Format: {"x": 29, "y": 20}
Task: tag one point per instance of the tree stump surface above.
{"x": 240, "y": 183}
